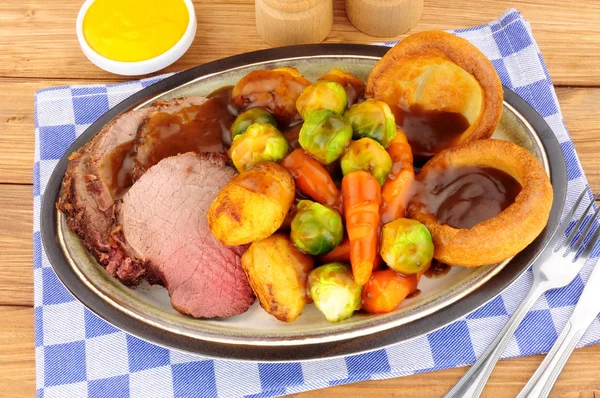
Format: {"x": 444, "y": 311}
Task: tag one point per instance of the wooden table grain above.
{"x": 38, "y": 48}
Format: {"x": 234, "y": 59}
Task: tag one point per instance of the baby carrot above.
{"x": 341, "y": 254}
{"x": 397, "y": 189}
{"x": 361, "y": 194}
{"x": 312, "y": 179}
{"x": 386, "y": 290}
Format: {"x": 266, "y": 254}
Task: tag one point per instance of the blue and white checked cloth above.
{"x": 79, "y": 355}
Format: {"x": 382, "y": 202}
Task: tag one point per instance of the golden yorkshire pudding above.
{"x": 483, "y": 201}
{"x": 442, "y": 89}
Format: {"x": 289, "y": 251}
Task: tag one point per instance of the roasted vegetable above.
{"x": 341, "y": 253}
{"x": 316, "y": 229}
{"x": 322, "y": 95}
{"x": 386, "y": 290}
{"x": 248, "y": 118}
{"x": 355, "y": 88}
{"x": 275, "y": 90}
{"x": 373, "y": 119}
{"x": 361, "y": 195}
{"x": 260, "y": 143}
{"x": 278, "y": 274}
{"x": 334, "y": 291}
{"x": 406, "y": 246}
{"x": 367, "y": 155}
{"x": 397, "y": 190}
{"x": 252, "y": 205}
{"x": 325, "y": 135}
{"x": 312, "y": 179}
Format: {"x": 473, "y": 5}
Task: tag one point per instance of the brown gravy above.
{"x": 195, "y": 128}
{"x": 118, "y": 167}
{"x": 207, "y": 127}
{"x": 275, "y": 91}
{"x": 429, "y": 132}
{"x": 437, "y": 270}
{"x": 462, "y": 197}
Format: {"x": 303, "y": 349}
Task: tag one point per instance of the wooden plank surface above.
{"x": 37, "y": 39}
{"x": 580, "y": 378}
{"x": 17, "y": 355}
{"x": 16, "y": 257}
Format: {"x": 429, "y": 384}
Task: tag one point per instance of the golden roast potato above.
{"x": 278, "y": 274}
{"x": 252, "y": 205}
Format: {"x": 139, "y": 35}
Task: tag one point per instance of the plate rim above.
{"x": 284, "y": 353}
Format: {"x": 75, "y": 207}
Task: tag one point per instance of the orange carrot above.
{"x": 312, "y": 179}
{"x": 361, "y": 194}
{"x": 397, "y": 189}
{"x": 341, "y": 254}
{"x": 386, "y": 290}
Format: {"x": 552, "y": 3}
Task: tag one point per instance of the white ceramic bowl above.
{"x": 141, "y": 67}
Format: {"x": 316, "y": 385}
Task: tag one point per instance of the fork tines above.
{"x": 578, "y": 238}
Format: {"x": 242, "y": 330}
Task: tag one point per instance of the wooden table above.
{"x": 38, "y": 48}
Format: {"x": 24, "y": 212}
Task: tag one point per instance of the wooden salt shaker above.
{"x": 384, "y": 18}
{"x": 288, "y": 22}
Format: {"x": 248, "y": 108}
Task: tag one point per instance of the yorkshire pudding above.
{"x": 483, "y": 201}
{"x": 442, "y": 89}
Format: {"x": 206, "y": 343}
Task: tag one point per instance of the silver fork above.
{"x": 549, "y": 272}
{"x": 586, "y": 310}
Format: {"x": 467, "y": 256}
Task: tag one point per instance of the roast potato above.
{"x": 252, "y": 205}
{"x": 278, "y": 274}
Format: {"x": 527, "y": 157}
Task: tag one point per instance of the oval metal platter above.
{"x": 146, "y": 311}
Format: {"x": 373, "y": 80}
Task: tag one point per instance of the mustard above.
{"x": 134, "y": 30}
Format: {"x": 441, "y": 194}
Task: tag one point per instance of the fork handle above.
{"x": 545, "y": 376}
{"x": 473, "y": 382}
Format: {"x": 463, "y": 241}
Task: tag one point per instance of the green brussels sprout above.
{"x": 366, "y": 154}
{"x": 406, "y": 246}
{"x": 249, "y": 117}
{"x": 260, "y": 143}
{"x": 373, "y": 119}
{"x": 325, "y": 135}
{"x": 322, "y": 95}
{"x": 333, "y": 290}
{"x": 316, "y": 229}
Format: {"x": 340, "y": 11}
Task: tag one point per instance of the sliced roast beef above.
{"x": 164, "y": 221}
{"x": 200, "y": 126}
{"x": 98, "y": 175}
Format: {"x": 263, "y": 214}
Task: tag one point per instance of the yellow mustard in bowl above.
{"x": 134, "y": 30}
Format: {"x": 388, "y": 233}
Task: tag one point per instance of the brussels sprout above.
{"x": 249, "y": 117}
{"x": 355, "y": 88}
{"x": 260, "y": 143}
{"x": 366, "y": 154}
{"x": 406, "y": 246}
{"x": 325, "y": 135}
{"x": 334, "y": 291}
{"x": 322, "y": 95}
{"x": 373, "y": 119}
{"x": 316, "y": 229}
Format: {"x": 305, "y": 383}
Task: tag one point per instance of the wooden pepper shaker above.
{"x": 384, "y": 18}
{"x": 288, "y": 22}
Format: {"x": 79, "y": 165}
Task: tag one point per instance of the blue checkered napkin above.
{"x": 80, "y": 355}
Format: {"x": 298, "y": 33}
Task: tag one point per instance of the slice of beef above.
{"x": 200, "y": 126}
{"x": 164, "y": 221}
{"x": 99, "y": 173}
